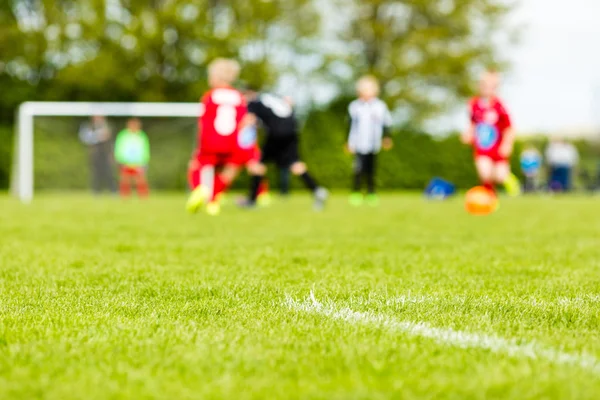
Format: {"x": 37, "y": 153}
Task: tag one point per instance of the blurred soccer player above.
{"x": 369, "y": 133}
{"x": 219, "y": 125}
{"x": 247, "y": 154}
{"x": 491, "y": 135}
{"x": 281, "y": 145}
{"x": 531, "y": 165}
{"x": 132, "y": 153}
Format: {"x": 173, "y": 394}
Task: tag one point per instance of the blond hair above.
{"x": 224, "y": 71}
{"x": 368, "y": 85}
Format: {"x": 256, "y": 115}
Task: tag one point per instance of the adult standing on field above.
{"x": 96, "y": 135}
{"x": 562, "y": 158}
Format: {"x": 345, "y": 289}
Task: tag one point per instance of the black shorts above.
{"x": 365, "y": 163}
{"x": 282, "y": 151}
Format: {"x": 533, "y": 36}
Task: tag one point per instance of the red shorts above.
{"x": 492, "y": 155}
{"x": 204, "y": 159}
{"x": 131, "y": 171}
{"x": 243, "y": 157}
{"x": 239, "y": 158}
{"x": 216, "y": 159}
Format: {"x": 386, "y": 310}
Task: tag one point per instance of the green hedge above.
{"x": 61, "y": 160}
{"x": 6, "y": 149}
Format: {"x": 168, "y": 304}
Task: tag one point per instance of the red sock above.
{"x": 194, "y": 178}
{"x": 124, "y": 186}
{"x": 264, "y": 187}
{"x": 219, "y": 187}
{"x": 142, "y": 187}
{"x": 490, "y": 186}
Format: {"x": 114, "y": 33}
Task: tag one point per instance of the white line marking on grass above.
{"x": 450, "y": 337}
{"x": 410, "y": 300}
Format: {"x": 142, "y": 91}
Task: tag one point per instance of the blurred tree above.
{"x": 426, "y": 53}
{"x": 141, "y": 50}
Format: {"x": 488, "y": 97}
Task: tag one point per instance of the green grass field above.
{"x": 105, "y": 299}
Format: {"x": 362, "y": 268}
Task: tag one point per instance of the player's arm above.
{"x": 249, "y": 120}
{"x": 84, "y": 133}
{"x": 349, "y": 147}
{"x": 387, "y": 141}
{"x": 508, "y": 136}
{"x": 193, "y": 164}
{"x": 468, "y": 135}
{"x": 146, "y": 149}
{"x": 118, "y": 152}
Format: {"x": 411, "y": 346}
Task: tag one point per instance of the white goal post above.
{"x": 22, "y": 184}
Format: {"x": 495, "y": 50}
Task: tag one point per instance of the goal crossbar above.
{"x": 22, "y": 183}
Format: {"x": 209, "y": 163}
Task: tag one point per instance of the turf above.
{"x": 106, "y": 299}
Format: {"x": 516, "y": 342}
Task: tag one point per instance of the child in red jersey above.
{"x": 219, "y": 126}
{"x": 490, "y": 133}
{"x": 248, "y": 157}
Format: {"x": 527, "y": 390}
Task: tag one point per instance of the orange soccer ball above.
{"x": 481, "y": 201}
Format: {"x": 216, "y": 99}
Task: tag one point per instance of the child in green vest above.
{"x": 132, "y": 153}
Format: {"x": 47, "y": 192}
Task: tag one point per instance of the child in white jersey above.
{"x": 369, "y": 133}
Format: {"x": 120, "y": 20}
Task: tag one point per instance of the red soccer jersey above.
{"x": 491, "y": 121}
{"x": 224, "y": 109}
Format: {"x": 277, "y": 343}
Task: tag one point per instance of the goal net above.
{"x": 50, "y": 153}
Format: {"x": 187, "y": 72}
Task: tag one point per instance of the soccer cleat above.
{"x": 356, "y": 199}
{"x": 321, "y": 196}
{"x": 372, "y": 200}
{"x": 512, "y": 186}
{"x": 198, "y": 197}
{"x": 264, "y": 200}
{"x": 221, "y": 198}
{"x": 246, "y": 204}
{"x": 213, "y": 208}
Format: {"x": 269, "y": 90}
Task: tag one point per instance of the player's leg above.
{"x": 202, "y": 175}
{"x": 95, "y": 169}
{"x": 356, "y": 198}
{"x": 284, "y": 181}
{"x": 257, "y": 172}
{"x": 485, "y": 171}
{"x": 501, "y": 172}
{"x": 257, "y": 169}
{"x": 193, "y": 174}
{"x": 298, "y": 168}
{"x": 369, "y": 170}
{"x": 124, "y": 181}
{"x": 142, "y": 182}
{"x": 264, "y": 197}
{"x": 222, "y": 182}
{"x": 503, "y": 176}
{"x": 290, "y": 155}
{"x": 107, "y": 172}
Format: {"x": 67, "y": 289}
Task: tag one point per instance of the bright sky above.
{"x": 555, "y": 81}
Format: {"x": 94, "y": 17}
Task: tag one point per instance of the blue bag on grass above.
{"x": 439, "y": 189}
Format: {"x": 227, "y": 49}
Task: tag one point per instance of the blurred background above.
{"x": 427, "y": 54}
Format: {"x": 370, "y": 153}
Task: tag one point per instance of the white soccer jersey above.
{"x": 368, "y": 120}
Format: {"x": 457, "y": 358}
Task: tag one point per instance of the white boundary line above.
{"x": 410, "y": 299}
{"x": 449, "y": 337}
